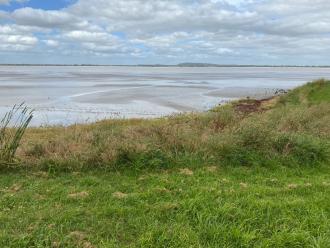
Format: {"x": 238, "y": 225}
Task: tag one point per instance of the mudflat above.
{"x": 63, "y": 95}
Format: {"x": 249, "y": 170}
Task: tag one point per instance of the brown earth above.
{"x": 247, "y": 106}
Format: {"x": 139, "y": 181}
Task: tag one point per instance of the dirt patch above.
{"x": 79, "y": 195}
{"x": 186, "y": 172}
{"x": 162, "y": 190}
{"x": 120, "y": 195}
{"x": 243, "y": 185}
{"x": 77, "y": 235}
{"x": 247, "y": 106}
{"x": 80, "y": 239}
{"x": 292, "y": 186}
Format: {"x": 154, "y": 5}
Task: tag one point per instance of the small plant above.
{"x": 37, "y": 150}
{"x": 12, "y": 129}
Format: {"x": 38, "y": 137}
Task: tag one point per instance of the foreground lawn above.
{"x": 196, "y": 207}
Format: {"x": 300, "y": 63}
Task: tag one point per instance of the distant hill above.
{"x": 188, "y": 64}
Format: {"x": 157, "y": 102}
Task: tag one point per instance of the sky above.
{"x": 258, "y": 32}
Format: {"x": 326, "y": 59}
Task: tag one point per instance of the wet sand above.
{"x": 241, "y": 92}
{"x": 64, "y": 95}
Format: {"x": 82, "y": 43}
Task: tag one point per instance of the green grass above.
{"x": 311, "y": 93}
{"x": 229, "y": 207}
{"x": 223, "y": 178}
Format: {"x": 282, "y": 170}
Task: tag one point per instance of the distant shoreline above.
{"x": 179, "y": 65}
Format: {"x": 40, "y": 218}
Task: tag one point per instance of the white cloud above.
{"x": 167, "y": 16}
{"x": 166, "y": 40}
{"x": 47, "y": 18}
{"x": 222, "y": 50}
{"x": 19, "y": 29}
{"x": 17, "y": 38}
{"x": 51, "y": 43}
{"x": 218, "y": 30}
{"x": 17, "y": 42}
{"x": 86, "y": 36}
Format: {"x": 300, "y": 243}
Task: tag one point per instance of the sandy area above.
{"x": 66, "y": 95}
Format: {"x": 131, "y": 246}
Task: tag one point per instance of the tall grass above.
{"x": 274, "y": 132}
{"x": 12, "y": 129}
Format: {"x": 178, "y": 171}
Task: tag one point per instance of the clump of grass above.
{"x": 37, "y": 150}
{"x": 12, "y": 128}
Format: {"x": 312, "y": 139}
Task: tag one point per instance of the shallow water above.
{"x": 63, "y": 95}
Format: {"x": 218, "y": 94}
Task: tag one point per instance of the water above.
{"x": 63, "y": 95}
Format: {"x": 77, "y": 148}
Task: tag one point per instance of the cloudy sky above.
{"x": 273, "y": 32}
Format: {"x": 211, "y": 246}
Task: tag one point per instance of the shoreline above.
{"x": 178, "y": 65}
{"x": 225, "y": 96}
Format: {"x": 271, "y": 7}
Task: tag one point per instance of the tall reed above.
{"x": 12, "y": 128}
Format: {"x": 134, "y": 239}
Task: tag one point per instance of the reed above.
{"x": 12, "y": 128}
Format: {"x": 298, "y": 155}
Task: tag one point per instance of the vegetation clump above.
{"x": 12, "y": 128}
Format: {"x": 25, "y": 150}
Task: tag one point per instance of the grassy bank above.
{"x": 248, "y": 174}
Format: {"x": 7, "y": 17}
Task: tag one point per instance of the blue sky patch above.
{"x": 38, "y": 4}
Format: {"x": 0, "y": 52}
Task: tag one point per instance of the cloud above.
{"x": 51, "y": 43}
{"x": 86, "y": 36}
{"x": 17, "y": 38}
{"x": 222, "y": 31}
{"x": 166, "y": 16}
{"x": 17, "y": 42}
{"x": 46, "y": 19}
{"x": 165, "y": 40}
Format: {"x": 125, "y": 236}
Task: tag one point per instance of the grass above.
{"x": 10, "y": 137}
{"x": 248, "y": 174}
{"x": 312, "y": 93}
{"x": 226, "y": 207}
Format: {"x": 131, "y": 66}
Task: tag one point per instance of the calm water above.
{"x": 67, "y": 95}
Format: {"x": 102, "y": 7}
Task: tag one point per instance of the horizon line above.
{"x": 188, "y": 64}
